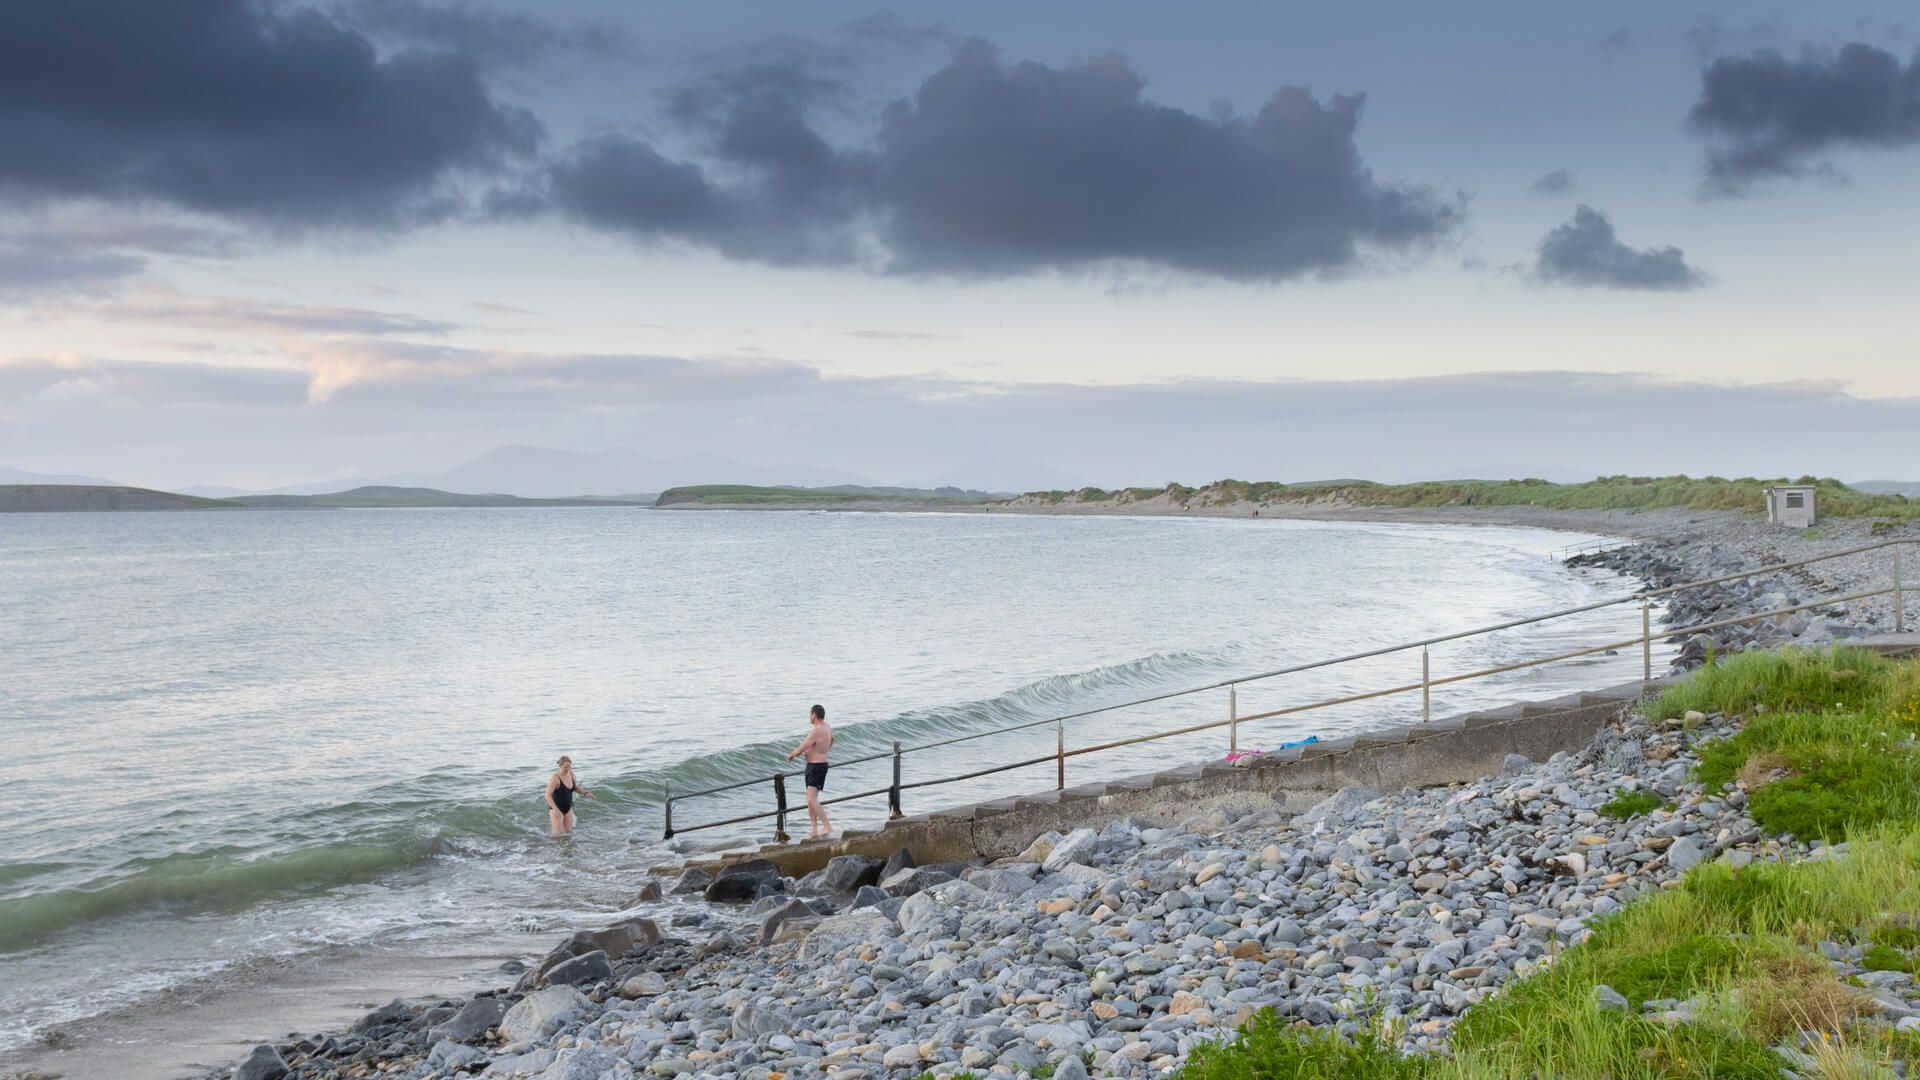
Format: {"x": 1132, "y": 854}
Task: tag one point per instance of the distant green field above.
{"x": 748, "y": 495}
{"x": 1833, "y": 498}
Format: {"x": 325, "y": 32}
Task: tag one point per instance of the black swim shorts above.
{"x": 817, "y": 775}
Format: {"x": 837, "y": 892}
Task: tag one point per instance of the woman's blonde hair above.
{"x": 564, "y": 760}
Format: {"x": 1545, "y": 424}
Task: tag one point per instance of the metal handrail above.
{"x": 1428, "y": 681}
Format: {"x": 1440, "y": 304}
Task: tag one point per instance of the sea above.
{"x": 265, "y": 768}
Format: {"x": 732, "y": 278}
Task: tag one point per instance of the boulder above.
{"x": 896, "y": 862}
{"x": 583, "y": 970}
{"x": 940, "y": 903}
{"x": 862, "y": 926}
{"x": 1075, "y": 847}
{"x": 717, "y": 944}
{"x": 691, "y": 880}
{"x": 913, "y": 880}
{"x": 265, "y": 1063}
{"x": 393, "y": 1012}
{"x": 616, "y": 941}
{"x": 746, "y": 880}
{"x": 472, "y": 1021}
{"x": 772, "y": 921}
{"x": 846, "y": 873}
{"x": 868, "y": 896}
{"x": 530, "y": 1017}
{"x": 649, "y": 893}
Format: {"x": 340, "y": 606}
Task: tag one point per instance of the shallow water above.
{"x": 239, "y": 738}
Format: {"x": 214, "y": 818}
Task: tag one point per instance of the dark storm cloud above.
{"x": 1767, "y": 116}
{"x": 1557, "y": 182}
{"x": 993, "y": 168}
{"x": 497, "y": 38}
{"x": 1586, "y": 251}
{"x": 281, "y": 116}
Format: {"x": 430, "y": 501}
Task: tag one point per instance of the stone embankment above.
{"x": 1111, "y": 952}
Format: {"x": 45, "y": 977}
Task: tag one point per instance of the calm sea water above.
{"x": 234, "y": 739}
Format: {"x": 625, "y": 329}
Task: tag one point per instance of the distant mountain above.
{"x": 1909, "y": 488}
{"x": 378, "y": 496}
{"x": 17, "y": 476}
{"x": 538, "y": 471}
{"x": 73, "y": 498}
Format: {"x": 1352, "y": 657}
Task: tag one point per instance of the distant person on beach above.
{"x": 819, "y": 740}
{"x": 562, "y": 786}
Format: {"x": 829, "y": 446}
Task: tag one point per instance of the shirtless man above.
{"x": 819, "y": 740}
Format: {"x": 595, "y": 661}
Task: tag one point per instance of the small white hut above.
{"x": 1791, "y": 505}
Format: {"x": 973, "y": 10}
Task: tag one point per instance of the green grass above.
{"x": 1631, "y": 803}
{"x": 1741, "y": 945}
{"x": 1604, "y": 493}
{"x": 1828, "y": 741}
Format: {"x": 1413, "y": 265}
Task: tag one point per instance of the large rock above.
{"x": 649, "y": 892}
{"x": 264, "y": 1063}
{"x": 529, "y": 1018}
{"x": 862, "y": 926}
{"x": 1075, "y": 847}
{"x": 868, "y": 896}
{"x": 945, "y": 901}
{"x": 896, "y": 862}
{"x": 846, "y": 873}
{"x": 761, "y": 1017}
{"x": 616, "y": 941}
{"x": 746, "y": 880}
{"x": 913, "y": 880}
{"x": 393, "y": 1012}
{"x": 472, "y": 1021}
{"x": 691, "y": 880}
{"x": 772, "y": 921}
{"x": 583, "y": 970}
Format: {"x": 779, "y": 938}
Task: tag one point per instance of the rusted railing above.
{"x": 1646, "y": 598}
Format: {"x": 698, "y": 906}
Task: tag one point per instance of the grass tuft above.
{"x": 1632, "y": 803}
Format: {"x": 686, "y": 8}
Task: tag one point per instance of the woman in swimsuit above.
{"x": 562, "y": 786}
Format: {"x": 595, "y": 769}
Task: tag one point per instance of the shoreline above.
{"x": 1709, "y": 537}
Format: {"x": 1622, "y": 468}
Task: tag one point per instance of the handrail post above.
{"x": 1899, "y": 608}
{"x": 1646, "y": 643}
{"x": 1060, "y": 755}
{"x": 1426, "y": 687}
{"x": 893, "y": 793}
{"x": 666, "y": 787}
{"x": 1233, "y": 718}
{"x": 780, "y": 808}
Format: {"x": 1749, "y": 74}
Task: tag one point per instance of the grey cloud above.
{"x": 1557, "y": 182}
{"x": 255, "y": 316}
{"x": 407, "y": 407}
{"x": 28, "y": 269}
{"x": 1586, "y": 251}
{"x": 276, "y": 115}
{"x": 1766, "y": 116}
{"x": 498, "y": 38}
{"x": 993, "y": 168}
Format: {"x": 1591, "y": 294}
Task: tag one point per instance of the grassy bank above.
{"x": 1605, "y": 493}
{"x": 1828, "y": 751}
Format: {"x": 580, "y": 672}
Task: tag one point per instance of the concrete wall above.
{"x": 1448, "y": 751}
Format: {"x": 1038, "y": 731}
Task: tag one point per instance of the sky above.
{"x": 993, "y": 244}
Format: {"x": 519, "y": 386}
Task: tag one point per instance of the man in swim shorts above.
{"x": 814, "y": 748}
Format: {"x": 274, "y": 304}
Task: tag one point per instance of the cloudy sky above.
{"x": 993, "y": 244}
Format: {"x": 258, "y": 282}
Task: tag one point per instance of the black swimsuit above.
{"x": 563, "y": 797}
